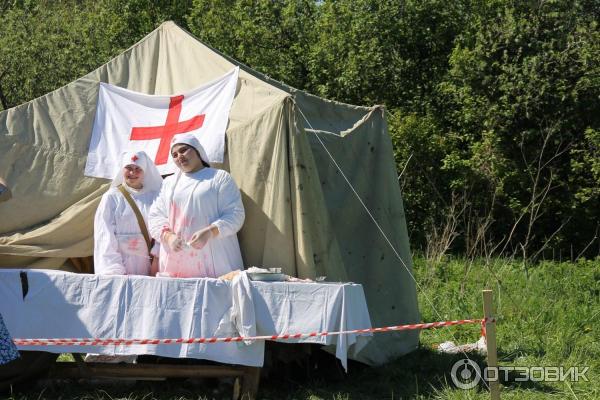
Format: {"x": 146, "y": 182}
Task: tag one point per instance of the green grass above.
{"x": 547, "y": 317}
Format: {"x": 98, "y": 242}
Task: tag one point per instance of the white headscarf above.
{"x": 191, "y": 140}
{"x": 152, "y": 179}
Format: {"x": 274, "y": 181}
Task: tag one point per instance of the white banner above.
{"x": 130, "y": 121}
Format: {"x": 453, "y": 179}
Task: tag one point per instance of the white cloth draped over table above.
{"x": 66, "y": 305}
{"x": 189, "y": 202}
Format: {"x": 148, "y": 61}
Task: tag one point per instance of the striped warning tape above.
{"x": 129, "y": 342}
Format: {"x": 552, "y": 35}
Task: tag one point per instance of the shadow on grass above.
{"x": 513, "y": 380}
{"x": 423, "y": 373}
{"x": 112, "y": 389}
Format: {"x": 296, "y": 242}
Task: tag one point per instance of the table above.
{"x": 56, "y": 304}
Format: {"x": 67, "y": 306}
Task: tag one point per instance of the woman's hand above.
{"x": 200, "y": 238}
{"x": 174, "y": 242}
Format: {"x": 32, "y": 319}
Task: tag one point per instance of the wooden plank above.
{"x": 245, "y": 384}
{"x": 141, "y": 371}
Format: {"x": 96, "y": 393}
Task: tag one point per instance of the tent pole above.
{"x": 490, "y": 340}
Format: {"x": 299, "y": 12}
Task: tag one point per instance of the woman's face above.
{"x": 186, "y": 158}
{"x": 133, "y": 176}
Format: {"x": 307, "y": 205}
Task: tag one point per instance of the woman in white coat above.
{"x": 197, "y": 215}
{"x": 119, "y": 245}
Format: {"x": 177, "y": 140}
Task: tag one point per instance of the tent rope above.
{"x": 381, "y": 230}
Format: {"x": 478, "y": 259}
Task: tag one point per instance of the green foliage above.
{"x": 272, "y": 37}
{"x": 419, "y": 148}
{"x": 46, "y": 44}
{"x": 521, "y": 93}
{"x": 387, "y": 52}
{"x": 36, "y": 57}
{"x": 137, "y": 18}
{"x": 493, "y": 105}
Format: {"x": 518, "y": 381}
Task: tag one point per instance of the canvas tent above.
{"x": 301, "y": 214}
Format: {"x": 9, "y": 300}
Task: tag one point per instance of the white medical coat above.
{"x": 119, "y": 246}
{"x": 189, "y": 202}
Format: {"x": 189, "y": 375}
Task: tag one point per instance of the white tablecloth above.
{"x": 66, "y": 305}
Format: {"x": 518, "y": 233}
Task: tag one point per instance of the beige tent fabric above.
{"x": 362, "y": 154}
{"x": 286, "y": 224}
{"x": 300, "y": 214}
{"x": 68, "y": 235}
{"x": 44, "y": 142}
{"x": 42, "y": 156}
{"x": 258, "y": 162}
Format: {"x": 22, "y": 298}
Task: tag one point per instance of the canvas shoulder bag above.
{"x": 138, "y": 215}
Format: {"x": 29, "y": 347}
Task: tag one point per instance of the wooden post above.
{"x": 250, "y": 383}
{"x": 490, "y": 339}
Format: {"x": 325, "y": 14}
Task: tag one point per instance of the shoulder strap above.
{"x": 138, "y": 215}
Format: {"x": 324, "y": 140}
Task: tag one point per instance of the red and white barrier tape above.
{"x": 129, "y": 342}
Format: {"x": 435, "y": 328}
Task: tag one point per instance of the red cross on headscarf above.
{"x": 134, "y": 158}
{"x": 166, "y": 132}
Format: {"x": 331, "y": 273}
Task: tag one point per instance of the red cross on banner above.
{"x": 166, "y": 132}
{"x": 130, "y": 121}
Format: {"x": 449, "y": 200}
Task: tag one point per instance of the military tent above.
{"x": 288, "y": 151}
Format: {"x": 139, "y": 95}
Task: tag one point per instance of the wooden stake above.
{"x": 490, "y": 339}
